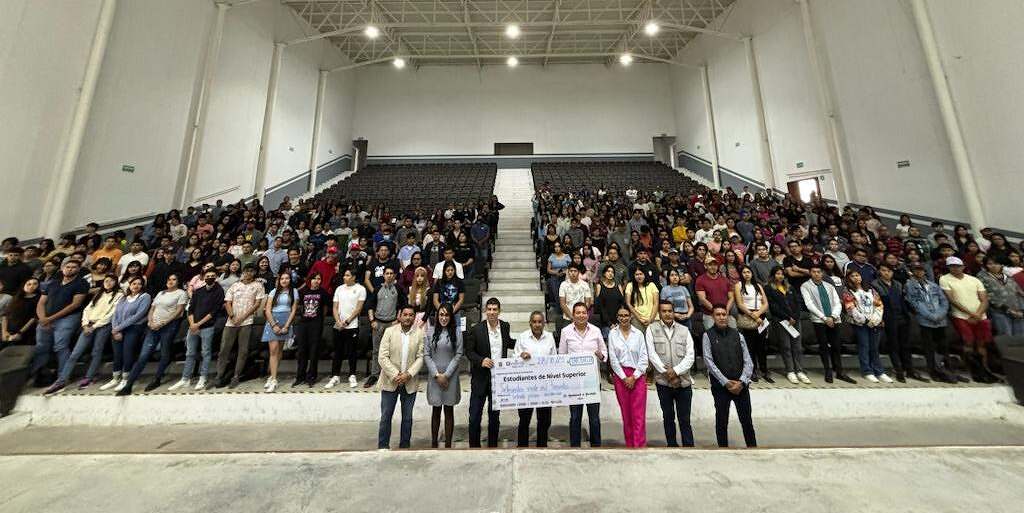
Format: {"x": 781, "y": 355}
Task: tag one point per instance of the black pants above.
{"x": 722, "y": 399}
{"x": 897, "y": 338}
{"x": 933, "y": 340}
{"x": 307, "y": 341}
{"x": 344, "y": 345}
{"x": 476, "y": 413}
{"x": 543, "y": 423}
{"x": 757, "y": 345}
{"x": 675, "y": 405}
{"x": 576, "y": 424}
{"x": 829, "y": 346}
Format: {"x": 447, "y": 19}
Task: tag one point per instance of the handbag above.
{"x": 744, "y": 322}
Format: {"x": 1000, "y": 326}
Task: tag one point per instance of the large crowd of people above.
{"x": 634, "y": 277}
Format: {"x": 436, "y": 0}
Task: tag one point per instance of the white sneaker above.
{"x": 803, "y": 378}
{"x": 352, "y": 381}
{"x": 181, "y": 383}
{"x": 120, "y": 386}
{"x": 112, "y": 383}
{"x": 266, "y": 385}
{"x": 792, "y": 378}
{"x": 271, "y": 385}
{"x": 884, "y": 378}
{"x": 871, "y": 378}
{"x": 201, "y": 384}
{"x": 333, "y": 382}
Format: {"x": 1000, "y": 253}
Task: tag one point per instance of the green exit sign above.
{"x": 128, "y": 168}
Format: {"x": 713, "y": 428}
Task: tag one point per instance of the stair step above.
{"x": 515, "y": 256}
{"x": 496, "y": 287}
{"x": 533, "y": 298}
{"x": 513, "y": 264}
{"x": 514, "y": 275}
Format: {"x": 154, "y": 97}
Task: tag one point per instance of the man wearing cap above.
{"x": 713, "y": 288}
{"x": 355, "y": 261}
{"x": 326, "y": 267}
{"x": 968, "y": 303}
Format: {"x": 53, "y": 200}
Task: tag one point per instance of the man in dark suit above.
{"x": 486, "y": 342}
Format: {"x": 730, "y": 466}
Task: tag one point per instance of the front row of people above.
{"x": 666, "y": 348}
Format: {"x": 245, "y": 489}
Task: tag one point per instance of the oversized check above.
{"x": 559, "y": 380}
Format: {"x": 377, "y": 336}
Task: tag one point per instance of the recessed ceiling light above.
{"x": 512, "y": 61}
{"x": 651, "y": 28}
{"x": 626, "y": 59}
{"x": 512, "y": 31}
{"x": 371, "y": 32}
{"x": 399, "y": 62}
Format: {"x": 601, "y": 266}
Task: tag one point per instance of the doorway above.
{"x": 805, "y": 189}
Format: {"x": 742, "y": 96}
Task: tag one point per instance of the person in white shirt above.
{"x": 348, "y": 306}
{"x": 670, "y": 352}
{"x": 573, "y": 290}
{"x": 449, "y": 256}
{"x": 627, "y": 353}
{"x": 136, "y": 254}
{"x": 529, "y": 344}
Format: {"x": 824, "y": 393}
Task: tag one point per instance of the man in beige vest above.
{"x": 400, "y": 358}
{"x": 670, "y": 351}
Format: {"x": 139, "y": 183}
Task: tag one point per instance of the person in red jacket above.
{"x": 326, "y": 268}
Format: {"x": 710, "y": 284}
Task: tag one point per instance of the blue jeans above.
{"x": 98, "y": 340}
{"x": 192, "y": 344}
{"x": 161, "y": 339}
{"x": 130, "y": 337}
{"x": 867, "y": 350}
{"x": 388, "y": 401}
{"x": 576, "y": 424}
{"x": 1003, "y": 324}
{"x": 55, "y": 338}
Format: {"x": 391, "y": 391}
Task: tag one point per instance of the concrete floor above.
{"x": 361, "y": 436}
{"x": 793, "y": 481}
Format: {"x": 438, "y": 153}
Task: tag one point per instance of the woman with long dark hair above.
{"x": 165, "y": 315}
{"x": 282, "y": 303}
{"x": 95, "y": 332}
{"x": 314, "y": 303}
{"x": 864, "y": 311}
{"x": 126, "y": 329}
{"x": 641, "y": 300}
{"x": 751, "y": 306}
{"x": 442, "y": 354}
{"x": 784, "y": 311}
{"x": 19, "y": 321}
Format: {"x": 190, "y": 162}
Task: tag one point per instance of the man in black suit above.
{"x": 486, "y": 342}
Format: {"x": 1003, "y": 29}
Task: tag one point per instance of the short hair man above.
{"x": 670, "y": 351}
{"x": 581, "y": 337}
{"x": 59, "y": 314}
{"x": 400, "y": 360}
{"x": 530, "y": 343}
{"x": 487, "y": 341}
{"x": 821, "y": 300}
{"x": 729, "y": 368}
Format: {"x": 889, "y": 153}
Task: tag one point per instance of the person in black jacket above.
{"x": 896, "y": 320}
{"x": 729, "y": 369}
{"x": 487, "y": 341}
{"x": 783, "y": 307}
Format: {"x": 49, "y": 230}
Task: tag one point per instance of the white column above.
{"x": 318, "y": 119}
{"x": 712, "y": 136}
{"x": 259, "y": 185}
{"x": 762, "y": 127}
{"x": 54, "y": 218}
{"x": 194, "y": 137}
{"x": 833, "y": 135}
{"x": 968, "y": 185}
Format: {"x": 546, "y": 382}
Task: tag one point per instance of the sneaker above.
{"x": 181, "y": 383}
{"x": 153, "y": 385}
{"x": 767, "y": 378}
{"x": 884, "y": 378}
{"x": 333, "y": 382}
{"x": 271, "y": 385}
{"x": 82, "y": 385}
{"x": 201, "y": 384}
{"x": 54, "y": 388}
{"x": 266, "y": 384}
{"x": 352, "y": 381}
{"x": 120, "y": 386}
{"x": 791, "y": 376}
{"x": 872, "y": 378}
{"x": 847, "y": 379}
{"x": 112, "y": 383}
{"x": 803, "y": 378}
{"x": 124, "y": 391}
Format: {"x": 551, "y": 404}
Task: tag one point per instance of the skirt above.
{"x": 268, "y": 331}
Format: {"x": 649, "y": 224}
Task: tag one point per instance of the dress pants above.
{"x": 576, "y": 424}
{"x": 633, "y": 405}
{"x": 675, "y": 403}
{"x": 829, "y": 348}
{"x": 723, "y": 398}
{"x": 388, "y": 400}
{"x": 543, "y": 424}
{"x": 231, "y": 336}
{"x": 897, "y": 340}
{"x": 476, "y": 413}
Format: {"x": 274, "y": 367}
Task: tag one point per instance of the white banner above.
{"x": 559, "y": 380}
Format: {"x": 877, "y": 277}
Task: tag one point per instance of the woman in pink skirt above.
{"x": 627, "y": 352}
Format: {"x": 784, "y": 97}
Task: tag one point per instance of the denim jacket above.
{"x": 929, "y": 302}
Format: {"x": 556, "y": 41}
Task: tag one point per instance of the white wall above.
{"x": 460, "y": 110}
{"x": 885, "y": 102}
{"x": 144, "y": 94}
{"x": 39, "y": 79}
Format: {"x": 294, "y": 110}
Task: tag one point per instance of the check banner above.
{"x": 559, "y": 380}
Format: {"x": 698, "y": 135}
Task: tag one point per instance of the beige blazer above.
{"x": 390, "y": 358}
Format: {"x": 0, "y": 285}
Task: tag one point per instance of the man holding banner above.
{"x": 487, "y": 341}
{"x": 581, "y": 337}
{"x": 534, "y": 342}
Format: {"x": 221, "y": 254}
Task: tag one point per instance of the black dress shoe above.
{"x": 124, "y": 391}
{"x": 233, "y": 383}
{"x": 153, "y": 385}
{"x": 917, "y": 377}
{"x": 768, "y": 378}
{"x": 901, "y": 377}
{"x": 297, "y": 382}
{"x": 828, "y": 378}
{"x": 370, "y": 381}
{"x": 848, "y": 379}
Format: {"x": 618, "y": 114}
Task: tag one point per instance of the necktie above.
{"x": 826, "y": 306}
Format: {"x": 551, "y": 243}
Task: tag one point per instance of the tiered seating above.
{"x": 566, "y": 177}
{"x": 409, "y": 187}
